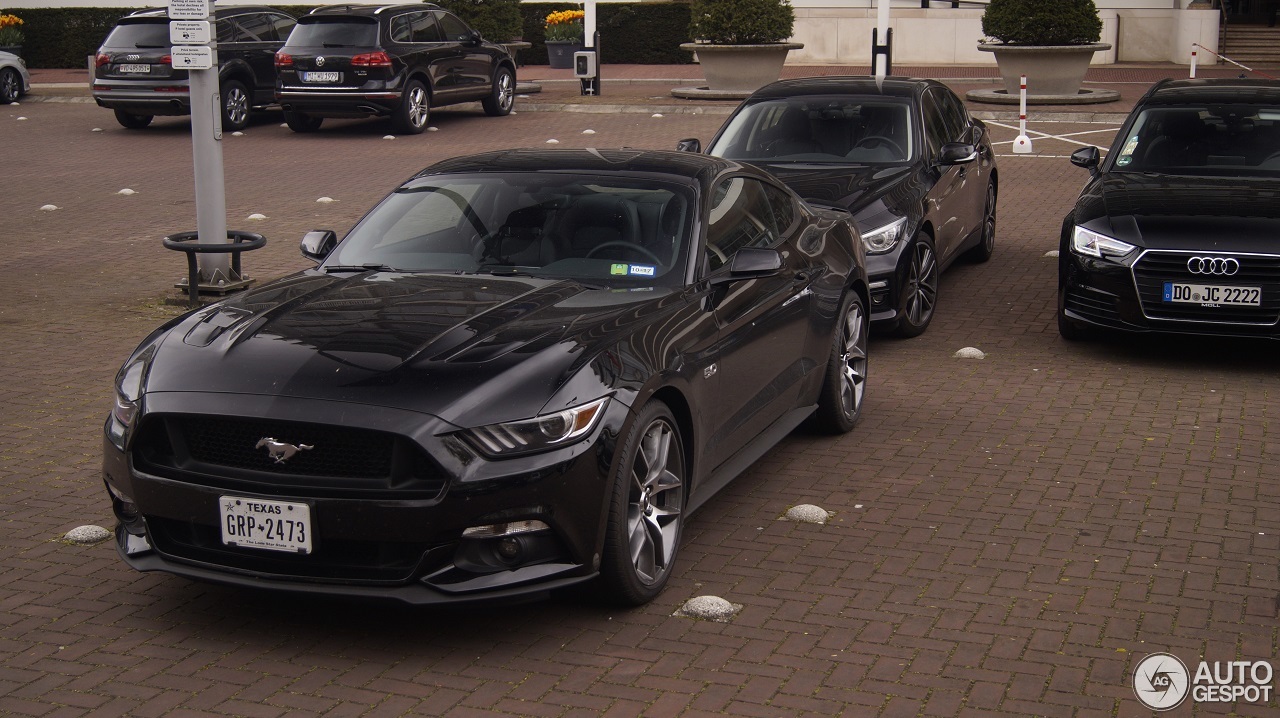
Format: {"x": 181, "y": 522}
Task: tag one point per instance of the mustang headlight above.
{"x": 128, "y": 396}
{"x": 1093, "y": 244}
{"x": 884, "y": 239}
{"x": 539, "y": 433}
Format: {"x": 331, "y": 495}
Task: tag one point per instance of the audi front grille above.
{"x": 1155, "y": 267}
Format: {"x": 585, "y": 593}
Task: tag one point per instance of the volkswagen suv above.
{"x": 134, "y": 75}
{"x": 394, "y": 61}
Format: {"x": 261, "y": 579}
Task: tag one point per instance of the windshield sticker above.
{"x": 1129, "y": 146}
{"x": 641, "y": 270}
{"x": 618, "y": 269}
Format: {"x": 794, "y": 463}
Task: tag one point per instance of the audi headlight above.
{"x": 884, "y": 239}
{"x": 540, "y": 433}
{"x": 1093, "y": 244}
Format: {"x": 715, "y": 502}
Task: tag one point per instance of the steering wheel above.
{"x": 873, "y": 141}
{"x": 628, "y": 245}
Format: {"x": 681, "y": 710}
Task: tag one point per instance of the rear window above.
{"x": 334, "y": 32}
{"x": 132, "y": 35}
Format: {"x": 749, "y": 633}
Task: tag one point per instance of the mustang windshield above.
{"x": 825, "y": 130}
{"x": 610, "y": 230}
{"x": 1222, "y": 140}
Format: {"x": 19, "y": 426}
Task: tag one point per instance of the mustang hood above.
{"x": 852, "y": 187}
{"x": 1194, "y": 213}
{"x": 423, "y": 342}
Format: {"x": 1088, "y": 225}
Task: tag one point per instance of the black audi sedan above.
{"x": 1176, "y": 230}
{"x": 902, "y": 155}
{"x": 521, "y": 370}
{"x": 394, "y": 61}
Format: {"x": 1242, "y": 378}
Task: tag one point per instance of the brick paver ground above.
{"x": 1010, "y": 536}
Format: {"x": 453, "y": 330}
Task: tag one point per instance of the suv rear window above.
{"x": 334, "y": 32}
{"x": 139, "y": 35}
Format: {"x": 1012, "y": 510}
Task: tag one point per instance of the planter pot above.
{"x": 740, "y": 68}
{"x": 560, "y": 53}
{"x": 15, "y": 49}
{"x": 1050, "y": 69}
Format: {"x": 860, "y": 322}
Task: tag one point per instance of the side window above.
{"x": 256, "y": 27}
{"x": 424, "y": 28}
{"x": 454, "y": 29}
{"x": 784, "y": 208}
{"x": 955, "y": 117}
{"x": 741, "y": 216}
{"x": 400, "y": 29}
{"x": 227, "y": 31}
{"x": 935, "y": 128}
{"x": 284, "y": 26}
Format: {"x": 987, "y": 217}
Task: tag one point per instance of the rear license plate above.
{"x": 265, "y": 524}
{"x": 135, "y": 69}
{"x": 1212, "y": 294}
{"x": 321, "y": 76}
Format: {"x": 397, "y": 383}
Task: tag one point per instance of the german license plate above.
{"x": 1177, "y": 292}
{"x": 265, "y": 524}
{"x": 321, "y": 76}
{"x": 135, "y": 69}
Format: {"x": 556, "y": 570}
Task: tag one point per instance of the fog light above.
{"x": 125, "y": 509}
{"x": 510, "y": 528}
{"x": 510, "y": 549}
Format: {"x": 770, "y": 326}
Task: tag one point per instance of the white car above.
{"x": 14, "y": 79}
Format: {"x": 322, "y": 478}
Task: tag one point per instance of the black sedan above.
{"x": 521, "y": 370}
{"x": 1176, "y": 229}
{"x": 903, "y": 156}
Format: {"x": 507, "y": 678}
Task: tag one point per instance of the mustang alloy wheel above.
{"x": 920, "y": 293}
{"x": 646, "y": 514}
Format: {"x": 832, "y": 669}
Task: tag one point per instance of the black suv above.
{"x": 134, "y": 73}
{"x": 393, "y": 60}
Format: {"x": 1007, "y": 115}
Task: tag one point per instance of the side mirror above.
{"x": 318, "y": 243}
{"x": 751, "y": 262}
{"x": 689, "y": 144}
{"x": 957, "y": 153}
{"x": 1088, "y": 158}
{"x": 474, "y": 38}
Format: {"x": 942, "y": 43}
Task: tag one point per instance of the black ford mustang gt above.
{"x": 521, "y": 370}
{"x": 903, "y": 156}
{"x": 1176, "y": 230}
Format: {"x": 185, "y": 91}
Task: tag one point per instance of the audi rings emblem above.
{"x": 1221, "y": 266}
{"x": 320, "y": 61}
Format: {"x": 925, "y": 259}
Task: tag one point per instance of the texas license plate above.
{"x": 1212, "y": 294}
{"x": 321, "y": 76}
{"x": 135, "y": 69}
{"x": 265, "y": 524}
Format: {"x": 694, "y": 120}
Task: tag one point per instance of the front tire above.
{"x": 10, "y": 85}
{"x": 131, "y": 121}
{"x": 235, "y": 106}
{"x": 646, "y": 511}
{"x": 503, "y": 97}
{"x": 410, "y": 118}
{"x": 845, "y": 384}
{"x": 301, "y": 121}
{"x": 920, "y": 292}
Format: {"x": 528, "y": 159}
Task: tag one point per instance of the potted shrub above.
{"x": 11, "y": 33}
{"x": 564, "y": 37}
{"x": 740, "y": 43}
{"x": 1049, "y": 41}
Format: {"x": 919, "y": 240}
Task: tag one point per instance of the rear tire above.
{"x": 503, "y": 97}
{"x": 132, "y": 121}
{"x": 302, "y": 122}
{"x": 845, "y": 384}
{"x": 987, "y": 245}
{"x": 646, "y": 510}
{"x": 235, "y": 106}
{"x": 410, "y": 118}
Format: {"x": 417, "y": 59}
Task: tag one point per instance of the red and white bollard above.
{"x": 1022, "y": 143}
{"x": 1193, "y": 60}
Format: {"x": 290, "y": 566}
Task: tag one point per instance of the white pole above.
{"x": 589, "y": 23}
{"x": 1022, "y": 143}
{"x": 882, "y": 37}
{"x": 1193, "y": 60}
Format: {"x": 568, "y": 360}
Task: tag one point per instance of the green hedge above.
{"x": 630, "y": 33}
{"x": 647, "y": 33}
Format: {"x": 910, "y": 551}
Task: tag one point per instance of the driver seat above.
{"x": 594, "y": 220}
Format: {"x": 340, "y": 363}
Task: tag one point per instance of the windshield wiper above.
{"x": 505, "y": 270}
{"x": 366, "y": 267}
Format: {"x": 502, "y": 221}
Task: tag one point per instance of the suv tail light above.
{"x": 101, "y": 59}
{"x": 371, "y": 59}
{"x": 166, "y": 60}
{"x": 284, "y": 59}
